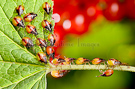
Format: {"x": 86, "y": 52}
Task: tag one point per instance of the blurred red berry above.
{"x": 78, "y": 25}
{"x": 56, "y": 17}
{"x": 114, "y": 10}
{"x": 130, "y": 9}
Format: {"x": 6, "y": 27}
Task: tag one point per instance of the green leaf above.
{"x": 19, "y": 67}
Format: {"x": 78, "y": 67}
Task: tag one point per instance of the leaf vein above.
{"x": 23, "y": 79}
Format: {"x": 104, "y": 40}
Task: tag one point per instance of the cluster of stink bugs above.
{"x": 31, "y": 29}
{"x": 49, "y": 52}
{"x": 83, "y": 61}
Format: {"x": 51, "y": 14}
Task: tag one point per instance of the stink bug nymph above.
{"x": 41, "y": 42}
{"x": 20, "y": 9}
{"x": 41, "y": 56}
{"x": 57, "y": 61}
{"x": 17, "y": 21}
{"x": 107, "y": 73}
{"x": 113, "y": 62}
{"x": 81, "y": 60}
{"x": 29, "y": 17}
{"x": 57, "y": 74}
{"x": 31, "y": 29}
{"x": 47, "y": 7}
{"x": 50, "y": 51}
{"x": 26, "y": 41}
{"x": 47, "y": 25}
{"x": 69, "y": 61}
{"x": 51, "y": 39}
{"x": 98, "y": 61}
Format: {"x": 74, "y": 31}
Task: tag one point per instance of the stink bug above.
{"x": 41, "y": 42}
{"x": 113, "y": 62}
{"x": 20, "y": 9}
{"x": 69, "y": 61}
{"x": 26, "y": 41}
{"x": 107, "y": 73}
{"x": 17, "y": 21}
{"x": 41, "y": 56}
{"x": 57, "y": 74}
{"x": 31, "y": 29}
{"x": 50, "y": 51}
{"x": 51, "y": 39}
{"x": 47, "y": 7}
{"x": 29, "y": 17}
{"x": 46, "y": 24}
{"x": 81, "y": 60}
{"x": 57, "y": 61}
{"x": 98, "y": 61}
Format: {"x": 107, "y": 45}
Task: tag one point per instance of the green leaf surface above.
{"x": 19, "y": 67}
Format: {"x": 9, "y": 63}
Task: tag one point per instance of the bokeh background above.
{"x": 90, "y": 29}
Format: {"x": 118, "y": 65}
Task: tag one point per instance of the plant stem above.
{"x": 91, "y": 67}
